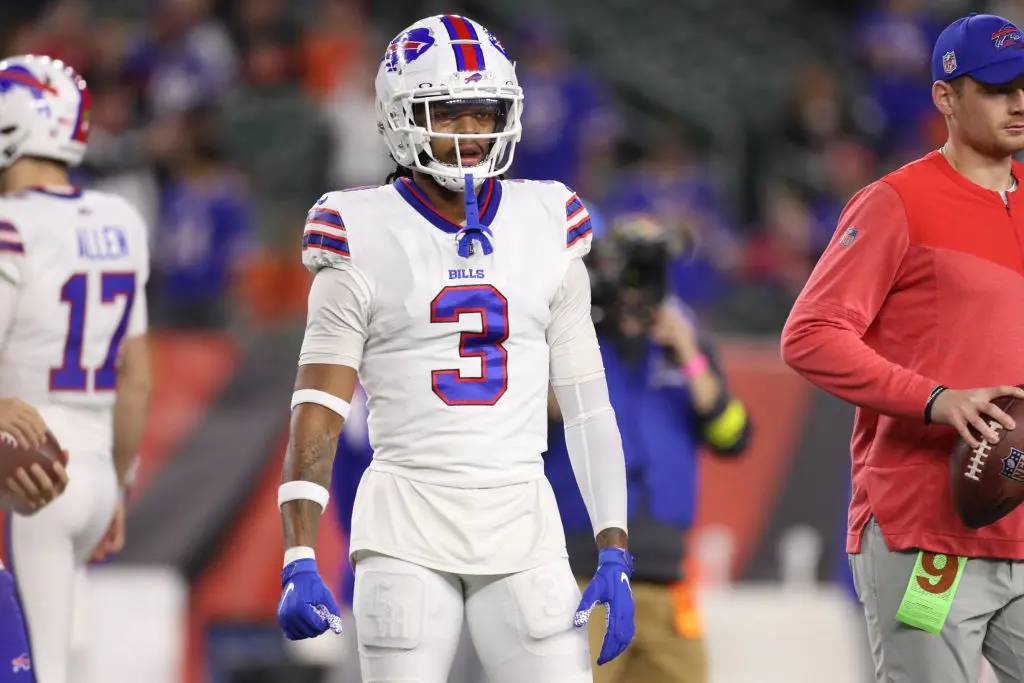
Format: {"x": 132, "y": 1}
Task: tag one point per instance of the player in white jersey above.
{"x": 458, "y": 297}
{"x": 27, "y": 491}
{"x": 73, "y": 270}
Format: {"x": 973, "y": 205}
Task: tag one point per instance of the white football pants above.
{"x": 409, "y": 620}
{"x": 47, "y": 549}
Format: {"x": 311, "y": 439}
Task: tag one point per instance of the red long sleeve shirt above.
{"x": 922, "y": 284}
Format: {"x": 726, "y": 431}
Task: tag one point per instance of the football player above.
{"x": 73, "y": 268}
{"x": 30, "y": 489}
{"x": 457, "y": 296}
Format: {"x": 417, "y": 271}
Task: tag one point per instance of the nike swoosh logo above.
{"x": 289, "y": 588}
{"x": 625, "y": 580}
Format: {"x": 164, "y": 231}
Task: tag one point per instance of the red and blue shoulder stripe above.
{"x": 325, "y": 230}
{"x": 577, "y": 220}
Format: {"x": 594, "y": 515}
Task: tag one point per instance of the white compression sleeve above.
{"x": 577, "y": 377}
{"x": 595, "y": 451}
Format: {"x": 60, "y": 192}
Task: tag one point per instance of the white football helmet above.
{"x": 44, "y": 110}
{"x": 441, "y": 59}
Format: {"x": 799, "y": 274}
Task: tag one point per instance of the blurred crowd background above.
{"x": 744, "y": 125}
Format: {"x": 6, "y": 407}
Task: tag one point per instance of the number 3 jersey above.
{"x": 453, "y": 353}
{"x": 79, "y": 262}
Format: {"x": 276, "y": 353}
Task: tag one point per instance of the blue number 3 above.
{"x": 71, "y": 376}
{"x": 447, "y": 307}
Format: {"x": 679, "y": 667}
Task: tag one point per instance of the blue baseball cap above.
{"x": 988, "y": 48}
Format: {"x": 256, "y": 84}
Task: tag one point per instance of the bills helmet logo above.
{"x": 17, "y": 76}
{"x": 408, "y": 47}
{"x": 497, "y": 44}
{"x": 1007, "y": 37}
{"x": 475, "y": 78}
{"x": 949, "y": 62}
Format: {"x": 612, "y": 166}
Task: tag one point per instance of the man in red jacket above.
{"x": 921, "y": 289}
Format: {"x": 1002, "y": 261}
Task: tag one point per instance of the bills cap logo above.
{"x": 1007, "y": 37}
{"x": 21, "y": 663}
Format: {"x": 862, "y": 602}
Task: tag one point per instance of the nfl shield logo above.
{"x": 949, "y": 62}
{"x": 1013, "y": 468}
{"x": 848, "y": 237}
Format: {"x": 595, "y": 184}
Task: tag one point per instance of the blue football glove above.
{"x": 307, "y": 607}
{"x": 610, "y": 587}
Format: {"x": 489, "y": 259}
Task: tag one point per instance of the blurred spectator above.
{"x": 845, "y": 167}
{"x": 817, "y": 111}
{"x": 118, "y": 159}
{"x": 781, "y": 253}
{"x": 332, "y": 48}
{"x": 895, "y": 39}
{"x": 63, "y": 33}
{"x": 671, "y": 184}
{"x": 815, "y": 115}
{"x": 204, "y": 230}
{"x": 280, "y": 138}
{"x": 777, "y": 260}
{"x": 267, "y": 37}
{"x": 187, "y": 61}
{"x": 16, "y": 17}
{"x": 1013, "y": 10}
{"x": 358, "y": 154}
{"x": 569, "y": 127}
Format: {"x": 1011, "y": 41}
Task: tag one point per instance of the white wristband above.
{"x": 301, "y": 489}
{"x": 299, "y": 552}
{"x": 329, "y": 401}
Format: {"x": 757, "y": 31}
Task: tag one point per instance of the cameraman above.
{"x": 670, "y": 399}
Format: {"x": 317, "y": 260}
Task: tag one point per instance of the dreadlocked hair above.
{"x": 399, "y": 172}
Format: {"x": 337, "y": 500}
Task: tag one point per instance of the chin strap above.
{"x": 473, "y": 231}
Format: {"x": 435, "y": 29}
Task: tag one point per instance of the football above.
{"x": 13, "y": 456}
{"x": 987, "y": 482}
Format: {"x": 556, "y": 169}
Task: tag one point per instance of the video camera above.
{"x": 629, "y": 273}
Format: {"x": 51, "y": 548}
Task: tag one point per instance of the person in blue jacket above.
{"x": 671, "y": 400}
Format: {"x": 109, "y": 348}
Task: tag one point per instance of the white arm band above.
{"x": 301, "y": 489}
{"x": 329, "y": 401}
{"x": 299, "y": 552}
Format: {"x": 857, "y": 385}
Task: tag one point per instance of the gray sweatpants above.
{"x": 986, "y": 618}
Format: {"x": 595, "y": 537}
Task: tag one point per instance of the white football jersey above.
{"x": 80, "y": 262}
{"x": 454, "y": 359}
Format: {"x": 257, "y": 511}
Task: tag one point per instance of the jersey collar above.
{"x": 60, "y": 191}
{"x": 489, "y": 197}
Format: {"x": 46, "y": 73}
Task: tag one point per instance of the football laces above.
{"x": 980, "y": 454}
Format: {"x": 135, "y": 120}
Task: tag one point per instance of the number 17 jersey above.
{"x": 80, "y": 261}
